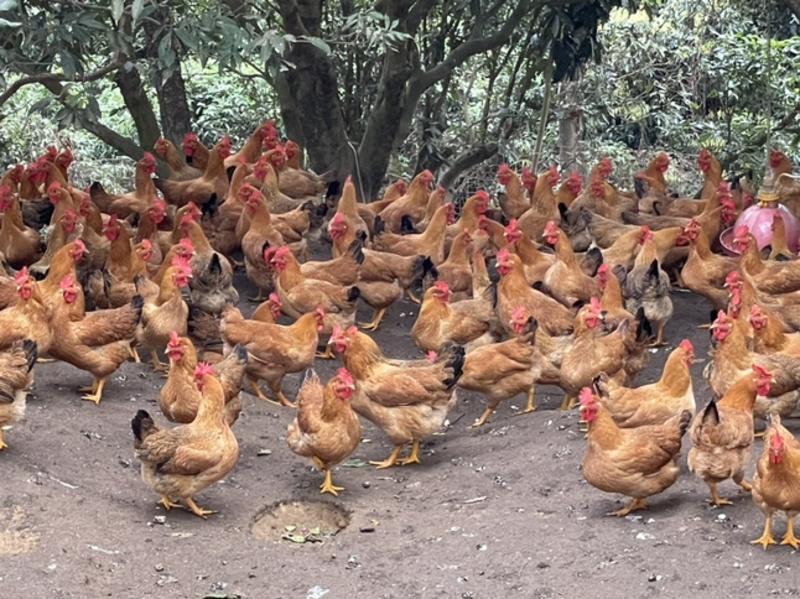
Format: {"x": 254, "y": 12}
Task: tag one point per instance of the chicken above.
{"x": 515, "y": 201}
{"x": 654, "y": 403}
{"x": 503, "y": 370}
{"x": 300, "y": 295}
{"x": 653, "y": 175}
{"x": 704, "y": 272}
{"x": 265, "y": 133}
{"x": 213, "y": 182}
{"x": 180, "y": 462}
{"x": 297, "y": 183}
{"x": 770, "y": 277}
{"x": 712, "y": 173}
{"x": 99, "y": 342}
{"x": 769, "y": 335}
{"x": 273, "y": 350}
{"x": 439, "y": 323}
{"x": 260, "y": 234}
{"x": 368, "y": 212}
{"x": 779, "y": 247}
{"x": 407, "y": 399}
{"x": 179, "y": 398}
{"x": 19, "y": 244}
{"x": 565, "y": 280}
{"x": 456, "y": 270}
{"x": 346, "y": 224}
{"x": 412, "y": 205}
{"x": 164, "y": 310}
{"x": 16, "y": 364}
{"x": 636, "y": 462}
{"x": 29, "y": 318}
{"x": 570, "y": 189}
{"x": 647, "y": 286}
{"x": 776, "y": 482}
{"x": 430, "y": 243}
{"x": 722, "y": 434}
{"x": 535, "y": 263}
{"x": 325, "y": 429}
{"x": 513, "y": 291}
{"x": 178, "y": 169}
{"x": 134, "y": 202}
{"x": 543, "y": 204}
{"x": 211, "y": 284}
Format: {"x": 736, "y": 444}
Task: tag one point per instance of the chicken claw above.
{"x": 567, "y": 404}
{"x": 97, "y": 392}
{"x": 327, "y": 354}
{"x": 482, "y": 420}
{"x": 167, "y": 503}
{"x": 135, "y": 354}
{"x": 158, "y": 365}
{"x": 196, "y": 509}
{"x": 746, "y": 486}
{"x": 282, "y": 400}
{"x": 789, "y": 538}
{"x": 635, "y": 504}
{"x": 715, "y": 498}
{"x": 766, "y": 539}
{"x": 327, "y": 485}
{"x": 410, "y": 295}
{"x": 530, "y": 406}
{"x": 413, "y": 457}
{"x": 391, "y": 460}
{"x": 376, "y": 321}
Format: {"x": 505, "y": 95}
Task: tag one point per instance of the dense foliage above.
{"x": 684, "y": 74}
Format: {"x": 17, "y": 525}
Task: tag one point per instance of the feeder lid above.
{"x": 767, "y": 192}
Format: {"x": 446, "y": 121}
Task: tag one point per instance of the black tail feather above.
{"x": 353, "y": 294}
{"x": 140, "y": 424}
{"x": 31, "y": 350}
{"x": 406, "y": 225}
{"x": 455, "y": 361}
{"x": 378, "y": 227}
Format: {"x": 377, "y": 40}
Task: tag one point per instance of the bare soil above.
{"x": 498, "y": 512}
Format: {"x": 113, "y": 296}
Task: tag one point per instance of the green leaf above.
{"x": 136, "y": 9}
{"x": 117, "y": 7}
{"x": 186, "y": 37}
{"x": 318, "y": 43}
{"x": 68, "y": 63}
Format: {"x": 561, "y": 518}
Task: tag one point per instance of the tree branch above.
{"x": 422, "y": 81}
{"x": 44, "y": 78}
{"x": 467, "y": 160}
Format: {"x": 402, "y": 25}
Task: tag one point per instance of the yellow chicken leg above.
{"x": 282, "y": 400}
{"x": 135, "y": 354}
{"x": 789, "y": 538}
{"x": 377, "y": 317}
{"x": 158, "y": 365}
{"x": 410, "y": 295}
{"x": 568, "y": 403}
{"x": 167, "y": 503}
{"x": 484, "y": 417}
{"x": 766, "y": 539}
{"x": 530, "y": 406}
{"x": 391, "y": 460}
{"x": 196, "y": 509}
{"x": 746, "y": 486}
{"x": 97, "y": 394}
{"x": 635, "y": 504}
{"x": 659, "y": 342}
{"x": 715, "y": 498}
{"x": 327, "y": 354}
{"x": 327, "y": 485}
{"x": 3, "y": 445}
{"x": 413, "y": 457}
{"x": 259, "y": 298}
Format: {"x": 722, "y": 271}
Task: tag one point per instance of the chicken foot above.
{"x": 413, "y": 456}
{"x": 789, "y": 538}
{"x": 635, "y": 504}
{"x": 391, "y": 460}
{"x": 568, "y": 403}
{"x": 134, "y": 354}
{"x": 327, "y": 485}
{"x": 197, "y": 510}
{"x": 377, "y": 317}
{"x": 327, "y": 354}
{"x": 715, "y": 498}
{"x": 96, "y": 393}
{"x": 167, "y": 503}
{"x": 659, "y": 341}
{"x": 281, "y": 398}
{"x": 3, "y": 445}
{"x": 259, "y": 298}
{"x": 158, "y": 365}
{"x": 410, "y": 295}
{"x": 487, "y": 413}
{"x": 766, "y": 539}
{"x": 530, "y": 405}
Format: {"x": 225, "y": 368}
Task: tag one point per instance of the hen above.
{"x": 16, "y": 364}
{"x": 180, "y": 462}
{"x": 325, "y": 429}
{"x": 407, "y": 399}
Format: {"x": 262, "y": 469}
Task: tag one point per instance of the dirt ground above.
{"x": 498, "y": 512}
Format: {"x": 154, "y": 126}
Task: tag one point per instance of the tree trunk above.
{"x": 309, "y": 94}
{"x": 569, "y": 124}
{"x": 138, "y": 104}
{"x": 469, "y": 159}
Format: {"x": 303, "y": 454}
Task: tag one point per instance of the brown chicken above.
{"x": 514, "y": 202}
{"x": 565, "y": 280}
{"x": 776, "y": 482}
{"x": 180, "y": 462}
{"x": 325, "y": 429}
{"x": 214, "y": 180}
{"x": 180, "y": 399}
{"x": 412, "y": 205}
{"x": 440, "y": 322}
{"x": 29, "y": 318}
{"x": 770, "y": 277}
{"x": 503, "y": 370}
{"x": 407, "y": 399}
{"x": 704, "y": 272}
{"x": 769, "y": 335}
{"x": 636, "y": 462}
{"x": 722, "y": 434}
{"x": 535, "y": 262}
{"x": 513, "y": 291}
{"x": 368, "y": 212}
{"x": 653, "y": 175}
{"x": 134, "y": 202}
{"x": 273, "y": 350}
{"x": 19, "y": 244}
{"x": 98, "y": 343}
{"x": 430, "y": 243}
{"x": 16, "y": 364}
{"x": 164, "y": 309}
{"x": 260, "y": 235}
{"x": 654, "y": 403}
{"x": 456, "y": 270}
{"x": 176, "y": 164}
{"x": 346, "y": 224}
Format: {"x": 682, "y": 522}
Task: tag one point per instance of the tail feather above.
{"x": 31, "y": 350}
{"x": 353, "y": 294}
{"x": 406, "y": 225}
{"x": 454, "y": 361}
{"x": 685, "y": 421}
{"x": 378, "y": 227}
{"x": 356, "y": 250}
{"x": 142, "y": 426}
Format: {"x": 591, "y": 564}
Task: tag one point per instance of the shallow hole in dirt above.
{"x": 300, "y": 521}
